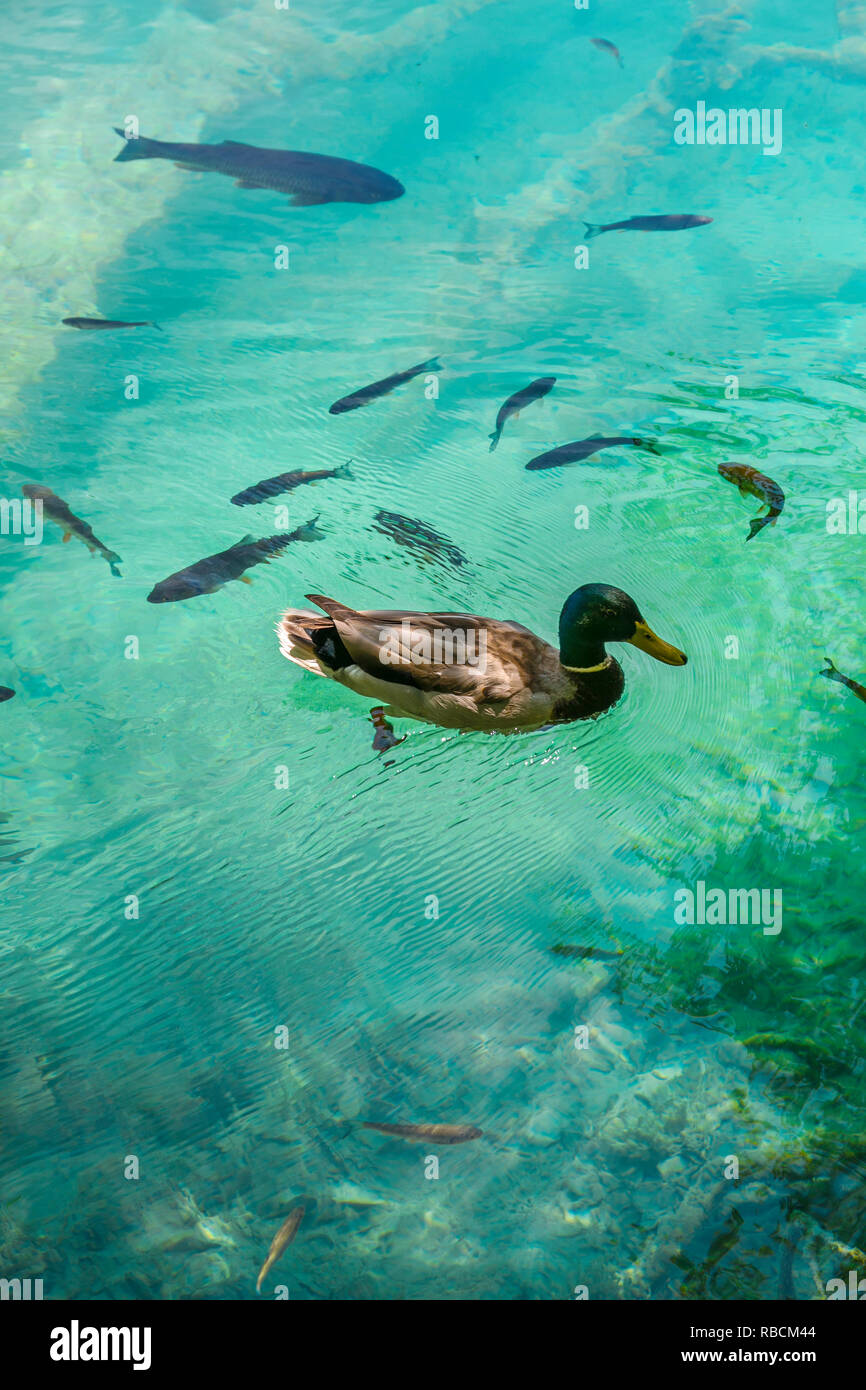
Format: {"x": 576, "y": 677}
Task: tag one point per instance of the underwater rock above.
{"x": 348, "y": 1194}
{"x": 544, "y": 1127}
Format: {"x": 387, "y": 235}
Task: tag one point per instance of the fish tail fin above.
{"x": 494, "y": 439}
{"x": 648, "y": 444}
{"x": 139, "y": 148}
{"x": 309, "y": 531}
{"x": 434, "y": 365}
{"x": 270, "y": 545}
{"x": 157, "y": 327}
{"x": 591, "y": 229}
{"x": 344, "y": 471}
{"x": 831, "y": 673}
{"x": 757, "y": 524}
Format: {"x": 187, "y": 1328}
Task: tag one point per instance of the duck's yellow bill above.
{"x": 646, "y": 639}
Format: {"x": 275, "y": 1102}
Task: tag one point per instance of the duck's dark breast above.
{"x": 597, "y": 692}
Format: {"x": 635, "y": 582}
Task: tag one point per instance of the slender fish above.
{"x": 608, "y": 47}
{"x": 428, "y": 1134}
{"x": 110, "y": 323}
{"x": 586, "y": 952}
{"x": 414, "y": 534}
{"x": 5, "y": 693}
{"x": 286, "y": 482}
{"x": 285, "y": 1235}
{"x": 583, "y": 448}
{"x": 513, "y": 406}
{"x": 365, "y": 394}
{"x": 672, "y": 222}
{"x": 71, "y": 525}
{"x": 308, "y": 178}
{"x": 752, "y": 483}
{"x": 833, "y": 675}
{"x": 210, "y": 574}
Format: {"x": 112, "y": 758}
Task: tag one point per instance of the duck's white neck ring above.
{"x": 585, "y": 670}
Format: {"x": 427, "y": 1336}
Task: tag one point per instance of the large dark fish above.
{"x": 608, "y": 47}
{"x": 285, "y": 482}
{"x": 210, "y": 574}
{"x": 408, "y": 531}
{"x": 71, "y": 525}
{"x": 752, "y": 483}
{"x": 5, "y": 693}
{"x": 833, "y": 675}
{"x": 513, "y": 406}
{"x": 672, "y": 222}
{"x": 365, "y": 394}
{"x": 110, "y": 323}
{"x": 583, "y": 448}
{"x": 285, "y": 1235}
{"x": 309, "y": 179}
{"x": 428, "y": 1134}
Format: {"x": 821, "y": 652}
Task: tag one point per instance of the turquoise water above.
{"x": 308, "y": 908}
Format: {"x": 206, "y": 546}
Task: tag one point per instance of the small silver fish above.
{"x": 666, "y": 222}
{"x": 608, "y": 47}
{"x": 109, "y": 323}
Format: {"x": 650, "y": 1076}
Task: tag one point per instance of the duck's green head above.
{"x": 598, "y": 613}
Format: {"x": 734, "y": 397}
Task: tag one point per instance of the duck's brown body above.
{"x": 508, "y": 679}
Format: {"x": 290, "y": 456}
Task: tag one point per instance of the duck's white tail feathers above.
{"x": 294, "y": 638}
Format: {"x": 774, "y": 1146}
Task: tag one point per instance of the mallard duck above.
{"x": 465, "y": 672}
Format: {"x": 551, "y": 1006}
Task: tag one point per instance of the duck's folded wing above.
{"x": 452, "y": 653}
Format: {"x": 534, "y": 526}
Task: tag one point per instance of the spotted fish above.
{"x": 210, "y": 574}
{"x": 415, "y": 535}
{"x": 71, "y": 525}
{"x": 752, "y": 483}
{"x": 286, "y": 482}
